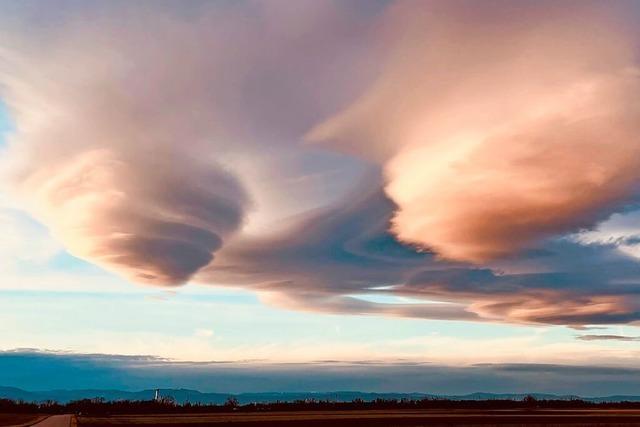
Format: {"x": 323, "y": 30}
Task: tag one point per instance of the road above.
{"x": 57, "y": 421}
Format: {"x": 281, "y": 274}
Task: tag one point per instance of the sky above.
{"x": 319, "y": 193}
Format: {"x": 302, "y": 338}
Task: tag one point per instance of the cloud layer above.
{"x": 345, "y": 260}
{"x": 166, "y": 143}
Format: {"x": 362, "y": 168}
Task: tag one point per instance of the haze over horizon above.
{"x": 321, "y": 193}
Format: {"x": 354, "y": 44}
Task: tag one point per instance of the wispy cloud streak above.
{"x": 607, "y": 338}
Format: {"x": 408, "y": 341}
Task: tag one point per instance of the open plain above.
{"x": 413, "y": 418}
{"x": 18, "y": 419}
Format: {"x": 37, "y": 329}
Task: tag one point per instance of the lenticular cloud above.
{"x": 500, "y": 125}
{"x": 149, "y": 219}
{"x": 146, "y": 131}
{"x": 117, "y": 147}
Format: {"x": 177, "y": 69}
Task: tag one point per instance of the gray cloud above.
{"x": 34, "y": 370}
{"x": 607, "y": 338}
{"x": 341, "y": 259}
{"x": 328, "y": 256}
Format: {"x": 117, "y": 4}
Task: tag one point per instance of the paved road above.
{"x": 57, "y": 421}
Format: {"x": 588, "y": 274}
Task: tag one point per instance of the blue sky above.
{"x": 326, "y": 182}
{"x": 6, "y": 124}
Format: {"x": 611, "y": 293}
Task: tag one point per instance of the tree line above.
{"x": 101, "y": 407}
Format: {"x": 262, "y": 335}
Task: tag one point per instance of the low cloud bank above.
{"x": 37, "y": 370}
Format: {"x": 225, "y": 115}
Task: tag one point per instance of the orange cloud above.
{"x": 499, "y": 125}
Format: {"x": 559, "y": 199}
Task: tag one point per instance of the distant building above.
{"x": 157, "y": 396}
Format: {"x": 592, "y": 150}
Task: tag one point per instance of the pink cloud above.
{"x": 147, "y": 134}
{"x": 499, "y": 125}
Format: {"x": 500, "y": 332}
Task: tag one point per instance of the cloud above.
{"x": 502, "y": 125}
{"x": 109, "y": 154}
{"x": 204, "y": 333}
{"x": 607, "y": 338}
{"x": 38, "y": 370}
{"x": 164, "y": 143}
{"x": 147, "y": 133}
{"x": 344, "y": 259}
{"x": 325, "y": 257}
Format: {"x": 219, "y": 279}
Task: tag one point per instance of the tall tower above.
{"x": 157, "y": 396}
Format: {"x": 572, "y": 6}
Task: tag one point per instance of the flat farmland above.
{"x": 413, "y": 418}
{"x": 18, "y": 419}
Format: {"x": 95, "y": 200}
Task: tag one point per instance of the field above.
{"x": 413, "y": 418}
{"x": 17, "y": 419}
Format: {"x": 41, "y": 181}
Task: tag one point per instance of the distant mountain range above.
{"x": 194, "y": 396}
